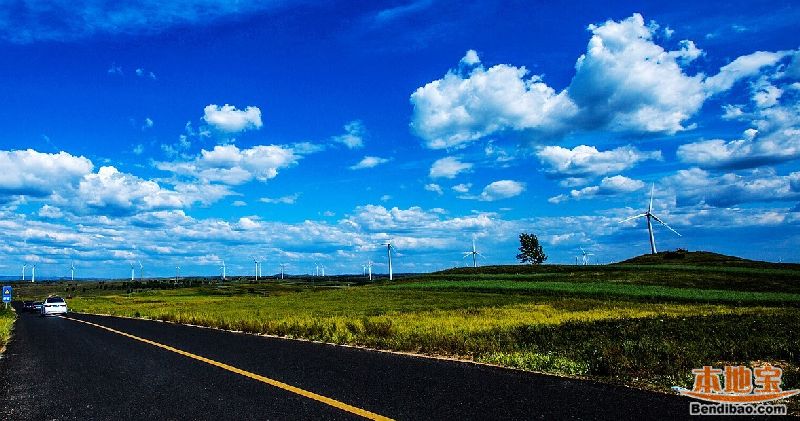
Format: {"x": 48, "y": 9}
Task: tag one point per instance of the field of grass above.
{"x": 613, "y": 323}
{"x": 6, "y": 323}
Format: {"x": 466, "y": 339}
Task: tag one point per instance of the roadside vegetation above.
{"x": 6, "y": 323}
{"x": 642, "y": 325}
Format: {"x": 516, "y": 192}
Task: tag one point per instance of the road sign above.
{"x": 6, "y": 294}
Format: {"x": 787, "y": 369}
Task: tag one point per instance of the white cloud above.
{"x": 773, "y": 138}
{"x": 462, "y": 188}
{"x": 287, "y": 200}
{"x": 354, "y": 135}
{"x": 47, "y": 211}
{"x": 498, "y": 190}
{"x": 239, "y": 203}
{"x": 742, "y": 67}
{"x": 609, "y": 186}
{"x": 230, "y": 165}
{"x": 434, "y": 188}
{"x": 448, "y": 167}
{"x": 587, "y": 160}
{"x": 457, "y": 109}
{"x": 113, "y": 192}
{"x": 696, "y": 186}
{"x": 624, "y": 82}
{"x": 228, "y": 119}
{"x": 369, "y": 162}
{"x": 471, "y": 58}
{"x": 37, "y": 174}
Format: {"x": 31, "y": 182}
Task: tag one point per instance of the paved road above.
{"x": 56, "y": 368}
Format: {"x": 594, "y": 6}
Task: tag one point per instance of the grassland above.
{"x": 6, "y": 323}
{"x": 640, "y": 325}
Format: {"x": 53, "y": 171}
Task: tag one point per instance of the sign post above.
{"x": 6, "y": 295}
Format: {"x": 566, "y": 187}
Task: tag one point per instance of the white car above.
{"x": 53, "y": 305}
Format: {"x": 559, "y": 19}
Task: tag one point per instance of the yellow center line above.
{"x": 311, "y": 395}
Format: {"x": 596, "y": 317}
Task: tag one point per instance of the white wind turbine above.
{"x": 33, "y": 273}
{"x": 648, "y": 215}
{"x": 23, "y": 271}
{"x": 322, "y": 267}
{"x": 586, "y": 256}
{"x": 141, "y": 270}
{"x": 177, "y": 273}
{"x": 133, "y": 273}
{"x": 283, "y": 267}
{"x": 316, "y": 269}
{"x": 255, "y": 261}
{"x": 389, "y": 248}
{"x": 369, "y": 267}
{"x": 72, "y": 269}
{"x": 223, "y": 270}
{"x": 474, "y": 253}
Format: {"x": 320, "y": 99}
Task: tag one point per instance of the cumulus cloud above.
{"x": 113, "y": 192}
{"x": 228, "y": 119}
{"x": 287, "y": 200}
{"x": 462, "y": 188}
{"x": 230, "y": 165}
{"x": 624, "y": 82}
{"x": 609, "y": 186}
{"x": 740, "y": 68}
{"x": 434, "y": 188}
{"x": 369, "y": 162}
{"x": 498, "y": 190}
{"x": 697, "y": 186}
{"x": 460, "y": 108}
{"x": 448, "y": 167}
{"x": 583, "y": 160}
{"x": 774, "y": 135}
{"x": 353, "y": 137}
{"x": 37, "y": 174}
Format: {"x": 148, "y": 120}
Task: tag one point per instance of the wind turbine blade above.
{"x": 633, "y": 217}
{"x": 650, "y": 207}
{"x": 665, "y": 224}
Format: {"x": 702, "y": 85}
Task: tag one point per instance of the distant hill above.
{"x": 702, "y": 258}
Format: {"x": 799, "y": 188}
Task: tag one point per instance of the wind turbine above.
{"x": 649, "y": 214}
{"x": 369, "y": 267}
{"x": 133, "y": 273}
{"x": 141, "y": 270}
{"x": 72, "y": 269}
{"x": 256, "y": 263}
{"x": 474, "y": 254}
{"x": 177, "y": 273}
{"x": 316, "y": 269}
{"x": 33, "y": 273}
{"x": 223, "y": 270}
{"x": 283, "y": 266}
{"x": 389, "y": 248}
{"x": 585, "y": 258}
{"x": 323, "y": 270}
{"x": 23, "y": 271}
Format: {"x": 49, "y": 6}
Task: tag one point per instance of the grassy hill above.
{"x": 702, "y": 258}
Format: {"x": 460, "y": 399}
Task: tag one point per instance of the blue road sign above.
{"x": 6, "y": 294}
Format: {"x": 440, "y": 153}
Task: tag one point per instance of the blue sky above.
{"x": 187, "y": 133}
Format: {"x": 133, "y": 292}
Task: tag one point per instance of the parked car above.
{"x": 37, "y": 306}
{"x": 53, "y": 305}
{"x": 27, "y": 306}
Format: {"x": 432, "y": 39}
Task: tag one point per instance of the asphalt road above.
{"x": 56, "y": 368}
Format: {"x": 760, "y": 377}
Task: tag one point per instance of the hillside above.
{"x": 702, "y": 258}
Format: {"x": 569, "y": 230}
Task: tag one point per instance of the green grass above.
{"x": 641, "y": 325}
{"x": 7, "y": 317}
{"x": 605, "y": 289}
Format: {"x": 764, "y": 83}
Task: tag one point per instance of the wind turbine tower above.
{"x": 389, "y": 248}
{"x": 283, "y": 266}
{"x": 369, "y": 267}
{"x": 133, "y": 273}
{"x": 23, "y": 271}
{"x": 72, "y": 270}
{"x": 256, "y": 263}
{"x": 223, "y": 270}
{"x": 585, "y": 256}
{"x": 141, "y": 270}
{"x": 648, "y": 215}
{"x": 474, "y": 253}
{"x": 33, "y": 273}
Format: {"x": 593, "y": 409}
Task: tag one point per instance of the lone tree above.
{"x": 530, "y": 251}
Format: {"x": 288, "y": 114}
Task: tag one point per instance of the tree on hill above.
{"x": 530, "y": 251}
